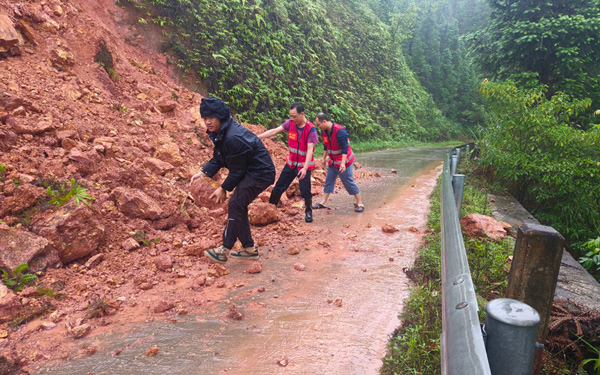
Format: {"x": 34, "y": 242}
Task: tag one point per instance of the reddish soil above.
{"x": 63, "y": 116}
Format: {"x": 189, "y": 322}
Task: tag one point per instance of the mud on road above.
{"x": 329, "y": 309}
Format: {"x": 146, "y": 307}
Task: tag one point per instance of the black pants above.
{"x": 287, "y": 176}
{"x": 238, "y": 226}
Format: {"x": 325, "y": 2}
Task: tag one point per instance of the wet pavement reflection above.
{"x": 333, "y": 318}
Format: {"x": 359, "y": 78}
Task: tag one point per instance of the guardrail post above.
{"x": 511, "y": 328}
{"x": 534, "y": 270}
{"x": 453, "y": 163}
{"x": 458, "y": 186}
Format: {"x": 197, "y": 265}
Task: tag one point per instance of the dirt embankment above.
{"x": 86, "y": 103}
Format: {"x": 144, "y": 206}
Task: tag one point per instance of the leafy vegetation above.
{"x": 549, "y": 164}
{"x": 554, "y": 43}
{"x": 591, "y": 258}
{"x": 60, "y": 193}
{"x": 141, "y": 237}
{"x": 19, "y": 279}
{"x": 338, "y": 57}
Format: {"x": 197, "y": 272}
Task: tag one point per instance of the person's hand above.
{"x": 302, "y": 173}
{"x": 220, "y": 194}
{"x": 197, "y": 175}
{"x": 342, "y": 168}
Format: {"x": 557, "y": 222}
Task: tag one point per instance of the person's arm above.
{"x": 325, "y": 153}
{"x": 209, "y": 170}
{"x": 342, "y": 138}
{"x": 237, "y": 162}
{"x": 309, "y": 154}
{"x": 271, "y": 132}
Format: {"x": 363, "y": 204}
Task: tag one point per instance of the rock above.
{"x": 94, "y": 261}
{"x": 482, "y": 226}
{"x": 299, "y": 267}
{"x": 338, "y": 302}
{"x": 152, "y": 351}
{"x": 293, "y": 250}
{"x": 81, "y": 330}
{"x": 158, "y": 166}
{"x": 388, "y": 228}
{"x": 163, "y": 262}
{"x": 262, "y": 213}
{"x": 393, "y": 171}
{"x": 254, "y": 268}
{"x": 234, "y": 313}
{"x": 24, "y": 196}
{"x": 199, "y": 247}
{"x": 19, "y": 246}
{"x": 198, "y": 283}
{"x": 30, "y": 126}
{"x": 201, "y": 189}
{"x": 74, "y": 231}
{"x": 61, "y": 57}
{"x": 88, "y": 157}
{"x": 169, "y": 152}
{"x": 8, "y": 34}
{"x": 136, "y": 204}
{"x": 46, "y": 326}
{"x": 10, "y": 304}
{"x": 130, "y": 244}
{"x": 163, "y": 306}
{"x": 166, "y": 105}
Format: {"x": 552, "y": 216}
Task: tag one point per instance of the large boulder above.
{"x": 168, "y": 152}
{"x": 19, "y": 246}
{"x": 481, "y": 226}
{"x": 262, "y": 213}
{"x": 201, "y": 190}
{"x": 25, "y": 196}
{"x": 74, "y": 232}
{"x": 135, "y": 203}
{"x": 158, "y": 166}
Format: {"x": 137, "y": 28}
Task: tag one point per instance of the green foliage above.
{"x": 556, "y": 43}
{"x": 19, "y": 280}
{"x": 60, "y": 193}
{"x": 439, "y": 58}
{"x": 337, "y": 57}
{"x": 591, "y": 259}
{"x": 594, "y": 361}
{"x": 141, "y": 237}
{"x": 551, "y": 166}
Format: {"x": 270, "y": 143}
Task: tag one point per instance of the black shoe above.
{"x": 318, "y": 206}
{"x": 308, "y": 210}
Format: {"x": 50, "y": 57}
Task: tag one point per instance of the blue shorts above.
{"x": 346, "y": 177}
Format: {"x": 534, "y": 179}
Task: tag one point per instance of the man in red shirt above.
{"x": 302, "y": 137}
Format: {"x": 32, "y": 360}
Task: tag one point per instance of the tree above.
{"x": 554, "y": 42}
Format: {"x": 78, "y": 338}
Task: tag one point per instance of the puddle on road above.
{"x": 296, "y": 318}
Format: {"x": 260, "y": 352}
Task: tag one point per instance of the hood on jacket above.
{"x": 214, "y": 107}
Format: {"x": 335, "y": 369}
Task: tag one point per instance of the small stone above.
{"x": 254, "y": 268}
{"x": 46, "y": 326}
{"x": 338, "y": 302}
{"x": 293, "y": 250}
{"x": 163, "y": 306}
{"x": 130, "y": 244}
{"x": 152, "y": 351}
{"x": 81, "y": 330}
{"x": 299, "y": 267}
{"x": 387, "y": 228}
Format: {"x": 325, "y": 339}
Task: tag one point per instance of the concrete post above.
{"x": 511, "y": 328}
{"x": 534, "y": 270}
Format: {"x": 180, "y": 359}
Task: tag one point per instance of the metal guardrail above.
{"x": 462, "y": 345}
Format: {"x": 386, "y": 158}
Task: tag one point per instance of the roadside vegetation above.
{"x": 572, "y": 344}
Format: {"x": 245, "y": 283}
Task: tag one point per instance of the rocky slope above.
{"x": 89, "y": 106}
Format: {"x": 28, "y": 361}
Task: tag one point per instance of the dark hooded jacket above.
{"x": 240, "y": 151}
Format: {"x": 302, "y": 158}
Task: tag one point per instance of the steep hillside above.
{"x": 90, "y": 109}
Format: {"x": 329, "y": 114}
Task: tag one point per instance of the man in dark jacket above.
{"x": 251, "y": 171}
